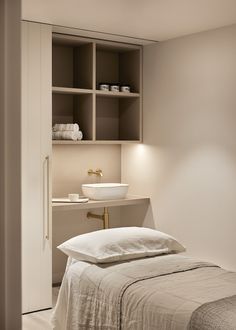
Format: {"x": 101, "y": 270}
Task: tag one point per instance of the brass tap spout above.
{"x": 98, "y": 172}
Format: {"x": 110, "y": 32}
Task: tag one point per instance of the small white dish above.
{"x": 67, "y": 200}
{"x": 73, "y": 197}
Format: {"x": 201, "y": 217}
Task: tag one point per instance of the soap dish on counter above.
{"x": 67, "y": 200}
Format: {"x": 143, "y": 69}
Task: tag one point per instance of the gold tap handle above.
{"x": 98, "y": 172}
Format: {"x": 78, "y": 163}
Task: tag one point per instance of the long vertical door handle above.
{"x": 46, "y": 201}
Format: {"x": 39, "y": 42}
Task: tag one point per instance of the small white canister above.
{"x": 104, "y": 87}
{"x": 125, "y": 88}
{"x": 114, "y": 87}
{"x": 73, "y": 197}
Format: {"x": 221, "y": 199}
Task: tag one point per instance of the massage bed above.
{"x": 170, "y": 291}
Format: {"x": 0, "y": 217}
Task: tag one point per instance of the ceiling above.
{"x": 148, "y": 19}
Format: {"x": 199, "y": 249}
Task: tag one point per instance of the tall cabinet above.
{"x": 36, "y": 166}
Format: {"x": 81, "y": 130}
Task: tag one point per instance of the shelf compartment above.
{"x": 117, "y": 119}
{"x": 72, "y": 60}
{"x": 118, "y": 65}
{"x": 68, "y": 108}
{"x": 67, "y": 90}
{"x": 117, "y": 94}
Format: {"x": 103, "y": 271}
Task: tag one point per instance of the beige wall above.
{"x": 187, "y": 163}
{"x": 70, "y": 166}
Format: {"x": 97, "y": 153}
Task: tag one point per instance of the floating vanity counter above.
{"x": 92, "y": 204}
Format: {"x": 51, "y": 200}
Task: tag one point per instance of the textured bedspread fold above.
{"x": 215, "y": 315}
{"x": 151, "y": 293}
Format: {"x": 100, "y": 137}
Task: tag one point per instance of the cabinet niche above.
{"x": 118, "y": 65}
{"x": 116, "y": 119}
{"x": 72, "y": 62}
{"x": 70, "y": 108}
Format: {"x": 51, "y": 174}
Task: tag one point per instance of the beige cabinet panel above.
{"x": 36, "y": 158}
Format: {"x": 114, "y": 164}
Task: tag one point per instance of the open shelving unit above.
{"x": 78, "y": 66}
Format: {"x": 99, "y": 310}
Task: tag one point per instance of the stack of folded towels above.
{"x": 66, "y": 132}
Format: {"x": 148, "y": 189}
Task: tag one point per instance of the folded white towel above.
{"x": 80, "y": 135}
{"x": 67, "y": 135}
{"x": 65, "y": 127}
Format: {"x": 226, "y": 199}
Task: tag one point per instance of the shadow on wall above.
{"x": 137, "y": 216}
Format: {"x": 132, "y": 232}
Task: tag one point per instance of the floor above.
{"x": 40, "y": 320}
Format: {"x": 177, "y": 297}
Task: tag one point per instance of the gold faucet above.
{"x": 98, "y": 172}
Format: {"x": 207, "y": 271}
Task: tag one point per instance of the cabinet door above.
{"x": 36, "y": 167}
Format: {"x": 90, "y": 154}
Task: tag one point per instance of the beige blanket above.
{"x": 152, "y": 293}
{"x": 215, "y": 315}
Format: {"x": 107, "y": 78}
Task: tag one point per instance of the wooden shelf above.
{"x": 63, "y": 142}
{"x": 69, "y": 90}
{"x": 91, "y": 204}
{"x": 116, "y": 94}
{"x": 117, "y": 141}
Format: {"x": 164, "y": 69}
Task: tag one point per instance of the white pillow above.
{"x": 117, "y": 244}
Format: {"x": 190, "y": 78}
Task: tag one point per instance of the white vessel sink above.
{"x": 103, "y": 191}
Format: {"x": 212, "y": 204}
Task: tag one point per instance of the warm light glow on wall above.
{"x": 140, "y": 148}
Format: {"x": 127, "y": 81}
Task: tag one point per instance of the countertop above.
{"x": 92, "y": 204}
